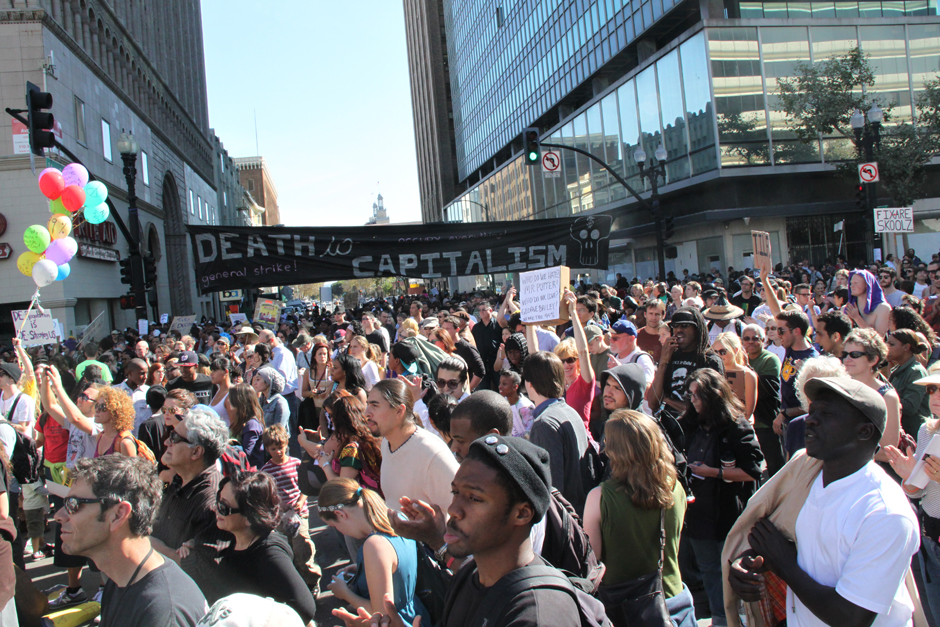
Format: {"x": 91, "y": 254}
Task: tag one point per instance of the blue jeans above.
{"x": 929, "y": 556}
{"x": 708, "y": 556}
{"x": 682, "y": 608}
{"x": 293, "y": 433}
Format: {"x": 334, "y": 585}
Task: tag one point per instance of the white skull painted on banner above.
{"x": 589, "y": 231}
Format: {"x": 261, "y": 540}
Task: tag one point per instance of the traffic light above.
{"x": 128, "y": 301}
{"x": 861, "y": 199}
{"x": 127, "y": 276}
{"x": 533, "y": 146}
{"x": 40, "y": 122}
{"x": 669, "y": 228}
{"x": 150, "y": 271}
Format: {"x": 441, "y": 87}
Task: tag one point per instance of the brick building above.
{"x": 256, "y": 179}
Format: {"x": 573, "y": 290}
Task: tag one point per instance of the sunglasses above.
{"x": 854, "y": 355}
{"x": 225, "y": 509}
{"x": 932, "y": 389}
{"x": 722, "y": 351}
{"x": 569, "y": 360}
{"x": 176, "y": 438}
{"x": 74, "y": 503}
{"x": 101, "y": 407}
{"x": 452, "y": 384}
{"x": 85, "y": 397}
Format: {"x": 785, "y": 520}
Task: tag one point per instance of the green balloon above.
{"x": 56, "y": 206}
{"x": 37, "y": 238}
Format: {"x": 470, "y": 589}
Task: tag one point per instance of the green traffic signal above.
{"x": 533, "y": 156}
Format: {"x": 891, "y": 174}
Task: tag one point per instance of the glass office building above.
{"x": 708, "y": 94}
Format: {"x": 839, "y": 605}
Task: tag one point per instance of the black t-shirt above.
{"x": 378, "y": 338}
{"x": 680, "y": 366}
{"x": 472, "y": 356}
{"x": 164, "y": 597}
{"x": 747, "y": 304}
{"x": 542, "y": 607}
{"x": 201, "y": 387}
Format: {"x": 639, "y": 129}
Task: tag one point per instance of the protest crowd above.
{"x": 754, "y": 447}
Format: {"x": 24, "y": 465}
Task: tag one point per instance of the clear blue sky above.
{"x": 329, "y": 81}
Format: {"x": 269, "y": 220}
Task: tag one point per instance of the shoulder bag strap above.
{"x": 16, "y": 401}
{"x": 662, "y": 542}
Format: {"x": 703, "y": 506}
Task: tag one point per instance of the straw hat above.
{"x": 723, "y": 310}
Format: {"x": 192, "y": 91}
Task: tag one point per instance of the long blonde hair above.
{"x": 733, "y": 343}
{"x": 349, "y": 494}
{"x": 640, "y": 459}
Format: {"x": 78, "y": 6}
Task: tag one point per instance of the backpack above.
{"x": 25, "y": 461}
{"x": 142, "y": 449}
{"x": 234, "y": 461}
{"x": 567, "y": 546}
{"x": 431, "y": 584}
{"x": 497, "y": 599}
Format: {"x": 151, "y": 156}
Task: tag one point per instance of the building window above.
{"x": 222, "y": 162}
{"x": 79, "y": 121}
{"x": 251, "y": 185}
{"x": 192, "y": 205}
{"x": 199, "y": 205}
{"x": 225, "y": 198}
{"x": 144, "y": 168}
{"x": 106, "y": 139}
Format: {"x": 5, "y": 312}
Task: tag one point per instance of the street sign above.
{"x": 868, "y": 172}
{"x": 551, "y": 164}
{"x": 894, "y": 220}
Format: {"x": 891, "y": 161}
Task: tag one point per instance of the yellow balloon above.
{"x": 26, "y": 261}
{"x": 59, "y": 226}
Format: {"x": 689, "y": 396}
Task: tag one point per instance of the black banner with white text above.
{"x": 245, "y": 257}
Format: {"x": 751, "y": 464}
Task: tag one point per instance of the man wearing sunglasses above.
{"x": 886, "y": 278}
{"x": 143, "y": 589}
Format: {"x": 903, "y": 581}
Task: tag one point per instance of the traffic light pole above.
{"x": 652, "y": 207}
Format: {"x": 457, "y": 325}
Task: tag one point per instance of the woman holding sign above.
{"x": 929, "y": 509}
{"x": 576, "y": 360}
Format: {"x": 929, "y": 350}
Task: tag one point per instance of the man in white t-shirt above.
{"x": 522, "y": 407}
{"x": 135, "y": 374}
{"x": 855, "y": 532}
{"x": 15, "y": 406}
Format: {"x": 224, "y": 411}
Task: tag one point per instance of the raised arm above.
{"x": 769, "y": 293}
{"x": 580, "y": 339}
{"x": 72, "y": 413}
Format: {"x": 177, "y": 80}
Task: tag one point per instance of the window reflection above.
{"x": 783, "y": 49}
{"x": 673, "y": 117}
{"x": 698, "y": 105}
{"x": 648, "y": 101}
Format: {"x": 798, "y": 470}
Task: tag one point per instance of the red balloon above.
{"x": 51, "y": 184}
{"x": 73, "y": 197}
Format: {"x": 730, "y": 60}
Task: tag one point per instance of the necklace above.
{"x": 403, "y": 443}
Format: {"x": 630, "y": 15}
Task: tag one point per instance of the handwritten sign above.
{"x": 761, "y": 240}
{"x": 38, "y": 329}
{"x": 94, "y": 329}
{"x": 183, "y": 324}
{"x": 238, "y": 318}
{"x": 540, "y": 293}
{"x": 894, "y": 220}
{"x": 267, "y": 313}
{"x": 143, "y": 327}
{"x": 164, "y": 318}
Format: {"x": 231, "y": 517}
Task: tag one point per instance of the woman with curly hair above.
{"x": 623, "y": 515}
{"x": 725, "y": 460}
{"x": 259, "y": 560}
{"x": 114, "y": 411}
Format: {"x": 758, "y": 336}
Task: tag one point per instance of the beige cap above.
{"x": 865, "y": 399}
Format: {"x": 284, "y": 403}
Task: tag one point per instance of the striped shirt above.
{"x": 930, "y": 495}
{"x": 285, "y": 476}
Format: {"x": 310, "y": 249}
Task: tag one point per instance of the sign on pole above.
{"x": 267, "y": 313}
{"x": 164, "y": 318}
{"x": 540, "y": 293}
{"x": 237, "y": 318}
{"x": 551, "y": 164}
{"x": 762, "y": 261}
{"x": 40, "y": 328}
{"x": 868, "y": 172}
{"x": 894, "y": 220}
{"x": 183, "y": 324}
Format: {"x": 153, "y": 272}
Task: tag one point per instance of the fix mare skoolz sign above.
{"x": 243, "y": 257}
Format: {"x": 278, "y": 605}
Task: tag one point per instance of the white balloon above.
{"x": 45, "y": 272}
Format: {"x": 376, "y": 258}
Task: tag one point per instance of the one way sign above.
{"x": 868, "y": 172}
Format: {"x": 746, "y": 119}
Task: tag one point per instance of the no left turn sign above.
{"x": 551, "y": 163}
{"x": 868, "y": 172}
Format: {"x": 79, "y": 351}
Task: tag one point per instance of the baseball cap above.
{"x": 339, "y": 334}
{"x": 525, "y": 463}
{"x": 683, "y": 317}
{"x": 624, "y": 326}
{"x": 12, "y": 370}
{"x": 592, "y": 332}
{"x": 302, "y": 340}
{"x": 407, "y": 355}
{"x": 188, "y": 358}
{"x": 865, "y": 399}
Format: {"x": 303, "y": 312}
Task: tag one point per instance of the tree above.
{"x": 819, "y": 101}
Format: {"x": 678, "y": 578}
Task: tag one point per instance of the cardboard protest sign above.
{"x": 267, "y": 313}
{"x": 540, "y": 293}
{"x": 38, "y": 329}
{"x": 183, "y": 324}
{"x": 761, "y": 241}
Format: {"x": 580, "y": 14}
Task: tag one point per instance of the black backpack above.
{"x": 431, "y": 584}
{"x": 538, "y": 577}
{"x": 25, "y": 460}
{"x": 567, "y": 547}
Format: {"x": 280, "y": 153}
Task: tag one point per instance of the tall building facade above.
{"x": 256, "y": 179}
{"x": 112, "y": 66}
{"x": 698, "y": 77}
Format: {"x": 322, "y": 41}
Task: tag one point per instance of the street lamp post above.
{"x": 653, "y": 173}
{"x": 867, "y": 138}
{"x": 128, "y": 147}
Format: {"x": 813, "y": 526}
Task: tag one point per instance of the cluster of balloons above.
{"x": 50, "y": 247}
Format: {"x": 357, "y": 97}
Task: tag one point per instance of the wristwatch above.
{"x": 441, "y": 553}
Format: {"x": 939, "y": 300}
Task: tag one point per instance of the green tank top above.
{"x": 630, "y": 537}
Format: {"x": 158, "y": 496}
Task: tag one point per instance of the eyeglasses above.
{"x": 722, "y": 351}
{"x": 748, "y": 338}
{"x": 224, "y": 508}
{"x": 176, "y": 438}
{"x": 569, "y": 360}
{"x": 854, "y": 355}
{"x": 802, "y": 294}
{"x": 74, "y": 503}
{"x": 452, "y": 384}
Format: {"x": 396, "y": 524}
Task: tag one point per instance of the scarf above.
{"x": 874, "y": 295}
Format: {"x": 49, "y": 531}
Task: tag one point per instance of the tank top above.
{"x": 221, "y": 411}
{"x": 118, "y": 438}
{"x": 404, "y": 580}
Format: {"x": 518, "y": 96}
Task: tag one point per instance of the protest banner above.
{"x": 40, "y": 328}
{"x": 540, "y": 293}
{"x": 235, "y": 318}
{"x": 183, "y": 324}
{"x": 761, "y": 241}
